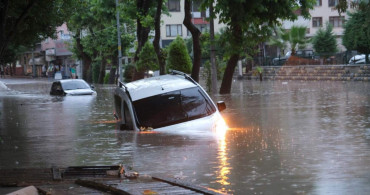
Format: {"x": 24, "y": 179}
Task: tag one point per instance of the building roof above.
{"x": 157, "y": 85}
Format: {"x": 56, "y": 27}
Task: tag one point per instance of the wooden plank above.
{"x": 100, "y": 186}
{"x": 69, "y": 188}
{"x": 200, "y": 189}
{"x": 158, "y": 187}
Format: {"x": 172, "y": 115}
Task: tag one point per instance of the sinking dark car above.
{"x": 71, "y": 87}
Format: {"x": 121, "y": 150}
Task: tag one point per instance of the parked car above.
{"x": 172, "y": 102}
{"x": 281, "y": 60}
{"x": 358, "y": 59}
{"x": 71, "y": 87}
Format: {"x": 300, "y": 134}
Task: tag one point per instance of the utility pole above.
{"x": 119, "y": 45}
{"x": 213, "y": 53}
{"x": 33, "y": 61}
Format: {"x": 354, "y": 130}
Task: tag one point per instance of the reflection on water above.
{"x": 223, "y": 164}
{"x": 283, "y": 138}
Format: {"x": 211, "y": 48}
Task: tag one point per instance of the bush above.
{"x": 147, "y": 58}
{"x": 178, "y": 56}
{"x": 106, "y": 78}
{"x": 206, "y": 73}
{"x": 324, "y": 41}
{"x": 95, "y": 71}
{"x": 129, "y": 73}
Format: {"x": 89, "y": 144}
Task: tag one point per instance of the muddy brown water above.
{"x": 284, "y": 137}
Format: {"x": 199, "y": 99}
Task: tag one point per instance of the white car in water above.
{"x": 358, "y": 59}
{"x": 71, "y": 87}
{"x": 172, "y": 102}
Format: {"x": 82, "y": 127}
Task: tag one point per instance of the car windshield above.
{"x": 70, "y": 85}
{"x": 172, "y": 107}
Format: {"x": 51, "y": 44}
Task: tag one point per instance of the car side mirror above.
{"x": 221, "y": 105}
{"x": 92, "y": 87}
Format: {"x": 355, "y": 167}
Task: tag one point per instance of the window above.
{"x": 70, "y": 85}
{"x": 172, "y": 108}
{"x": 333, "y": 3}
{"x": 316, "y": 21}
{"x": 336, "y": 21}
{"x": 173, "y": 5}
{"x": 173, "y": 30}
{"x": 318, "y": 3}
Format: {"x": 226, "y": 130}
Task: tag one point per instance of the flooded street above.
{"x": 284, "y": 137}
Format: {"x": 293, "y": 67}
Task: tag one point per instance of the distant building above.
{"x": 57, "y": 51}
{"x": 323, "y": 12}
{"x": 26, "y": 61}
{"x": 173, "y": 25}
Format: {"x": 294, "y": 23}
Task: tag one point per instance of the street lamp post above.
{"x": 119, "y": 45}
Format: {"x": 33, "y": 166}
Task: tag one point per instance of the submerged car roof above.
{"x": 69, "y": 80}
{"x": 157, "y": 85}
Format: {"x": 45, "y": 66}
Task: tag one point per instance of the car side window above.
{"x": 195, "y": 103}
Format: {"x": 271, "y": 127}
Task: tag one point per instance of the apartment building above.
{"x": 323, "y": 12}
{"x": 173, "y": 24}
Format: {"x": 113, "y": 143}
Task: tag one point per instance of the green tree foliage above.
{"x": 296, "y": 37}
{"x": 28, "y": 22}
{"x": 343, "y": 5}
{"x": 94, "y": 25}
{"x": 106, "y": 78}
{"x": 178, "y": 57}
{"x": 249, "y": 22}
{"x": 95, "y": 71}
{"x": 145, "y": 11}
{"x": 220, "y": 43}
{"x": 324, "y": 41}
{"x": 206, "y": 73}
{"x": 357, "y": 32}
{"x": 129, "y": 72}
{"x": 147, "y": 58}
{"x": 277, "y": 39}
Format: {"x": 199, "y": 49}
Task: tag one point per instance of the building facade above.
{"x": 323, "y": 13}
{"x": 173, "y": 24}
{"x": 58, "y": 55}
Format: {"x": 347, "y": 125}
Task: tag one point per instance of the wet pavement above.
{"x": 284, "y": 137}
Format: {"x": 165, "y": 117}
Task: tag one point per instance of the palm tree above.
{"x": 277, "y": 40}
{"x": 295, "y": 37}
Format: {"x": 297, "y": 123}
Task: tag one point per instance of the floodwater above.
{"x": 284, "y": 137}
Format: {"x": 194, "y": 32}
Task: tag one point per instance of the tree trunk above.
{"x": 14, "y": 67}
{"x": 237, "y": 33}
{"x": 228, "y": 75}
{"x": 142, "y": 32}
{"x": 157, "y": 27}
{"x": 102, "y": 71}
{"x": 86, "y": 59}
{"x": 113, "y": 70}
{"x": 195, "y": 33}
